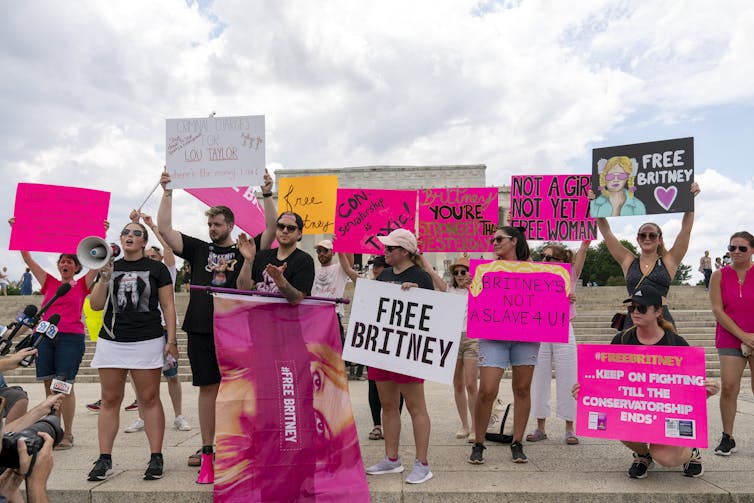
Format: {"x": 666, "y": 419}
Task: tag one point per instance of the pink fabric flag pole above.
{"x": 285, "y": 428}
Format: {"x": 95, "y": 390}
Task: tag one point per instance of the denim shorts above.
{"x": 60, "y": 357}
{"x": 730, "y": 352}
{"x": 504, "y": 354}
{"x": 171, "y": 372}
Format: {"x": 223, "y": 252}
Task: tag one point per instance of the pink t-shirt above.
{"x": 69, "y": 306}
{"x": 737, "y": 302}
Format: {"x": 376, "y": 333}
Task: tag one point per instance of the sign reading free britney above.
{"x": 519, "y": 301}
{"x": 652, "y": 394}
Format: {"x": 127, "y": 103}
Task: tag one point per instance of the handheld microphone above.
{"x": 24, "y": 319}
{"x": 60, "y": 386}
{"x": 47, "y": 328}
{"x": 62, "y": 290}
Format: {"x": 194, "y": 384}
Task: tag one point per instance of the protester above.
{"x": 185, "y": 277}
{"x": 509, "y": 243}
{"x": 4, "y": 282}
{"x": 221, "y": 263}
{"x": 651, "y": 329}
{"x": 561, "y": 356}
{"x": 718, "y": 263}
{"x": 732, "y": 297}
{"x": 131, "y": 339}
{"x": 401, "y": 254}
{"x": 654, "y": 266}
{"x": 60, "y": 359}
{"x": 26, "y": 282}
{"x": 705, "y": 267}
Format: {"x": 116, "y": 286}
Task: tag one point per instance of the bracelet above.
{"x": 172, "y": 342}
{"x": 268, "y": 194}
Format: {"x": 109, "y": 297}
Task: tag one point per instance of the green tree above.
{"x": 601, "y": 267}
{"x": 682, "y": 275}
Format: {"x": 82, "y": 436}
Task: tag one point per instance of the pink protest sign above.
{"x": 649, "y": 394}
{"x": 363, "y": 214}
{"x": 249, "y": 215}
{"x": 519, "y": 301}
{"x": 552, "y": 207}
{"x": 53, "y": 218}
{"x": 457, "y": 219}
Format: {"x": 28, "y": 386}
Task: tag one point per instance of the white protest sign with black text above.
{"x": 211, "y": 152}
{"x": 414, "y": 332}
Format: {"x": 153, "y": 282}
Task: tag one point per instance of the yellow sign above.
{"x": 312, "y": 197}
{"x": 93, "y": 320}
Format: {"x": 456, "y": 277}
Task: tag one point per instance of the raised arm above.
{"x": 168, "y": 257}
{"x": 36, "y": 270}
{"x": 620, "y": 253}
{"x": 346, "y": 263}
{"x": 675, "y": 255}
{"x": 436, "y": 279}
{"x": 270, "y": 213}
{"x": 579, "y": 259}
{"x": 165, "y": 216}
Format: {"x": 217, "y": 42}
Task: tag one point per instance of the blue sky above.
{"x": 522, "y": 86}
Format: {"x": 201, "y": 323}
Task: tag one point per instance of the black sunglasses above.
{"x": 136, "y": 232}
{"x": 645, "y": 235}
{"x": 742, "y": 249}
{"x": 637, "y": 307}
{"x": 320, "y": 251}
{"x": 499, "y": 239}
{"x": 290, "y": 228}
{"x": 391, "y": 248}
{"x": 460, "y": 272}
{"x": 548, "y": 258}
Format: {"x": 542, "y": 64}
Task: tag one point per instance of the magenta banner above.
{"x": 649, "y": 394}
{"x": 519, "y": 301}
{"x": 285, "y": 428}
{"x": 363, "y": 214}
{"x": 552, "y": 207}
{"x": 457, "y": 219}
{"x": 54, "y": 218}
{"x": 246, "y": 209}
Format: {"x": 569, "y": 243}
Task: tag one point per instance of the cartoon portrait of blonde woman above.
{"x": 617, "y": 190}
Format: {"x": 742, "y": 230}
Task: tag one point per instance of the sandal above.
{"x": 376, "y": 433}
{"x": 65, "y": 444}
{"x": 571, "y": 438}
{"x": 536, "y": 436}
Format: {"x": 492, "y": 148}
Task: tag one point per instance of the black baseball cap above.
{"x": 645, "y": 296}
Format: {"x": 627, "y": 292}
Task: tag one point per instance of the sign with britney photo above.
{"x": 285, "y": 428}
{"x": 652, "y": 394}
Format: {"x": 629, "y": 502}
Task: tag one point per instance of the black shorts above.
{"x": 201, "y": 353}
{"x": 12, "y": 394}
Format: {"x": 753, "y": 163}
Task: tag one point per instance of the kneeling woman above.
{"x": 132, "y": 339}
{"x": 651, "y": 329}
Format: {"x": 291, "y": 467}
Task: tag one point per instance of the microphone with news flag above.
{"x": 23, "y": 319}
{"x": 48, "y": 328}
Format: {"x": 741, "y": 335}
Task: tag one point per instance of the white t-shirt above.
{"x": 330, "y": 281}
{"x": 465, "y": 293}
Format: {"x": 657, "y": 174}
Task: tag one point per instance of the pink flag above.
{"x": 285, "y": 428}
{"x": 53, "y": 218}
{"x": 249, "y": 214}
{"x": 652, "y": 394}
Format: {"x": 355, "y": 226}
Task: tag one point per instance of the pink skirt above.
{"x": 385, "y": 375}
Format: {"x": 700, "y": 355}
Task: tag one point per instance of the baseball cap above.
{"x": 400, "y": 237}
{"x": 325, "y": 243}
{"x": 646, "y": 296}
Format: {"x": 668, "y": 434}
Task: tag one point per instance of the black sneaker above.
{"x": 517, "y": 452}
{"x": 154, "y": 470}
{"x": 640, "y": 466}
{"x": 102, "y": 468}
{"x": 476, "y": 457}
{"x": 727, "y": 446}
{"x": 693, "y": 467}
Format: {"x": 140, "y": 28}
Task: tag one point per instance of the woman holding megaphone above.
{"x": 60, "y": 358}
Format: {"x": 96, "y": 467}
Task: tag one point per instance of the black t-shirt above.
{"x": 134, "y": 300}
{"x": 211, "y": 265}
{"x": 629, "y": 337}
{"x": 413, "y": 274}
{"x": 299, "y": 272}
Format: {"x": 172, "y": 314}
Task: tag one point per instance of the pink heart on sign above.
{"x": 665, "y": 197}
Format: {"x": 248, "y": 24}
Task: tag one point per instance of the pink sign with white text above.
{"x": 519, "y": 301}
{"x": 54, "y": 218}
{"x": 242, "y": 200}
{"x": 457, "y": 219}
{"x": 363, "y": 214}
{"x": 652, "y": 394}
{"x": 552, "y": 207}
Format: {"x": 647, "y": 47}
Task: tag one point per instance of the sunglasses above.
{"x": 289, "y": 228}
{"x": 616, "y": 176}
{"x": 321, "y": 251}
{"x": 742, "y": 249}
{"x": 499, "y": 239}
{"x": 136, "y": 232}
{"x": 460, "y": 272}
{"x": 548, "y": 258}
{"x": 637, "y": 307}
{"x": 650, "y": 235}
{"x": 391, "y": 248}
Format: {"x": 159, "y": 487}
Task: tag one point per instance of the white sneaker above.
{"x": 137, "y": 425}
{"x": 180, "y": 423}
{"x": 419, "y": 474}
{"x": 385, "y": 466}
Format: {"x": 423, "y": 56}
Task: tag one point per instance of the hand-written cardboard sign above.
{"x": 363, "y": 214}
{"x": 519, "y": 301}
{"x": 552, "y": 207}
{"x": 53, "y": 218}
{"x": 649, "y": 394}
{"x": 643, "y": 179}
{"x": 457, "y": 219}
{"x": 215, "y": 151}
{"x": 312, "y": 197}
{"x": 248, "y": 213}
{"x": 413, "y": 332}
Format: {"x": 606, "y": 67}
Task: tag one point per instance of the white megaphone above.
{"x": 94, "y": 252}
